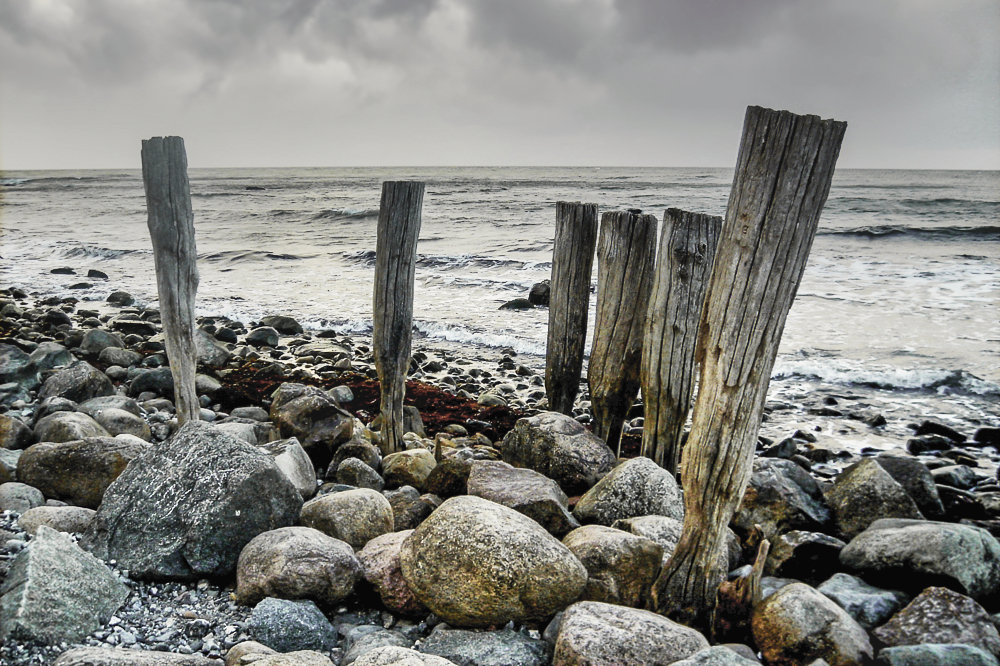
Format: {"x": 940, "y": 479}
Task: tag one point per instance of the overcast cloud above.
{"x": 482, "y": 82}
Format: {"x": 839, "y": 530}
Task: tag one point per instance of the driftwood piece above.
{"x": 782, "y": 180}
{"x": 171, "y": 228}
{"x": 626, "y": 251}
{"x": 569, "y": 300}
{"x": 737, "y": 598}
{"x": 392, "y": 310}
{"x": 683, "y": 266}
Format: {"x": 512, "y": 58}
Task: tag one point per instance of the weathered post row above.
{"x": 782, "y": 180}
{"x": 625, "y": 255}
{"x": 171, "y": 227}
{"x": 392, "y": 313}
{"x": 683, "y": 267}
{"x": 572, "y": 263}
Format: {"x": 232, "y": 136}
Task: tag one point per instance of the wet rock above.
{"x": 209, "y": 352}
{"x": 408, "y": 507}
{"x": 187, "y": 507}
{"x": 120, "y": 298}
{"x": 159, "y": 381}
{"x": 16, "y": 367}
{"x": 637, "y": 487}
{"x": 79, "y": 382}
{"x": 314, "y": 418}
{"x": 539, "y": 294}
{"x": 282, "y": 324}
{"x": 450, "y": 478}
{"x": 956, "y": 476}
{"x": 476, "y": 563}
{"x": 80, "y": 471}
{"x": 559, "y": 447}
{"x": 355, "y": 516}
{"x": 928, "y": 443}
{"x": 940, "y": 615}
{"x": 19, "y": 497}
{"x": 524, "y": 490}
{"x": 263, "y": 336}
{"x": 864, "y": 493}
{"x": 621, "y": 567}
{"x": 296, "y": 563}
{"x": 353, "y": 472}
{"x": 797, "y": 625}
{"x": 55, "y": 592}
{"x": 518, "y": 304}
{"x": 916, "y": 479}
{"x": 14, "y": 434}
{"x": 67, "y": 426}
{"x": 286, "y": 626}
{"x": 987, "y": 437}
{"x": 381, "y": 566}
{"x": 363, "y": 450}
{"x": 781, "y": 497}
{"x": 597, "y": 633}
{"x": 940, "y": 429}
{"x": 408, "y": 468}
{"x": 96, "y": 340}
{"x": 806, "y": 556}
{"x": 910, "y": 555}
{"x": 121, "y": 357}
{"x": 71, "y": 519}
{"x": 294, "y": 463}
{"x": 487, "y": 648}
{"x": 869, "y": 606}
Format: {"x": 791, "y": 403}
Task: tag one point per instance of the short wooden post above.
{"x": 392, "y": 315}
{"x": 171, "y": 227}
{"x": 683, "y": 267}
{"x": 782, "y": 180}
{"x": 572, "y": 264}
{"x": 626, "y": 252}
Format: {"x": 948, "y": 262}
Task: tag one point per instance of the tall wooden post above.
{"x": 683, "y": 267}
{"x": 782, "y": 180}
{"x": 572, "y": 263}
{"x": 626, "y": 251}
{"x": 171, "y": 227}
{"x": 392, "y": 315}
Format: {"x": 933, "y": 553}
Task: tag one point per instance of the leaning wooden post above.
{"x": 783, "y": 175}
{"x": 683, "y": 267}
{"x": 572, "y": 263}
{"x": 626, "y": 251}
{"x": 171, "y": 227}
{"x": 392, "y": 315}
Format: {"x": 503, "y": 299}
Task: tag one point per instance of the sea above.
{"x": 901, "y": 294}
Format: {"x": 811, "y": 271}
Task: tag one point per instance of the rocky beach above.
{"x": 276, "y": 531}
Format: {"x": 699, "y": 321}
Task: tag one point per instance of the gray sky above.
{"x": 492, "y": 82}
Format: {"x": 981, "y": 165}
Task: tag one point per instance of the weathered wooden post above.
{"x": 392, "y": 315}
{"x": 626, "y": 251}
{"x": 572, "y": 263}
{"x": 171, "y": 227}
{"x": 782, "y": 180}
{"x": 683, "y": 267}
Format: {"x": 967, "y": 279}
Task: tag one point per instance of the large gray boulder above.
{"x": 524, "y": 490}
{"x": 19, "y": 497}
{"x": 186, "y": 508}
{"x": 916, "y": 479}
{"x": 950, "y": 654}
{"x": 593, "y": 633}
{"x": 940, "y": 615}
{"x": 68, "y": 426}
{"x": 286, "y": 625}
{"x": 797, "y": 625}
{"x": 559, "y": 447}
{"x": 122, "y": 422}
{"x": 911, "y": 554}
{"x": 210, "y": 353}
{"x": 355, "y": 516}
{"x": 71, "y": 519}
{"x": 408, "y": 468}
{"x": 864, "y": 493}
{"x": 16, "y": 367}
{"x": 476, "y": 563}
{"x": 55, "y": 592}
{"x": 295, "y": 463}
{"x": 621, "y": 567}
{"x": 79, "y": 382}
{"x": 781, "y": 497}
{"x": 77, "y": 472}
{"x": 115, "y": 656}
{"x": 869, "y": 606}
{"x": 487, "y": 648}
{"x": 637, "y": 487}
{"x": 97, "y": 340}
{"x": 296, "y": 563}
{"x": 314, "y": 418}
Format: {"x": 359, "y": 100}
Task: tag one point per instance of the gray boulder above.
{"x": 285, "y": 626}
{"x": 186, "y": 508}
{"x": 355, "y": 516}
{"x": 524, "y": 490}
{"x": 120, "y": 357}
{"x": 14, "y": 434}
{"x": 797, "y": 625}
{"x": 157, "y": 380}
{"x": 314, "y": 418}
{"x": 807, "y": 556}
{"x": 115, "y": 656}
{"x": 294, "y": 463}
{"x": 940, "y": 615}
{"x": 16, "y": 367}
{"x": 263, "y": 336}
{"x": 71, "y": 519}
{"x": 487, "y": 648}
{"x": 916, "y": 479}
{"x": 408, "y": 468}
{"x": 19, "y": 497}
{"x": 476, "y": 563}
{"x": 390, "y": 655}
{"x": 621, "y": 567}
{"x": 77, "y": 472}
{"x": 296, "y": 563}
{"x": 282, "y": 324}
{"x": 382, "y": 568}
{"x": 67, "y": 426}
{"x": 637, "y": 487}
{"x": 79, "y": 382}
{"x": 55, "y": 592}
{"x": 353, "y": 472}
{"x": 409, "y": 507}
{"x": 911, "y": 554}
{"x": 869, "y": 606}
{"x": 363, "y": 639}
{"x": 210, "y": 352}
{"x": 936, "y": 655}
{"x": 94, "y": 405}
{"x": 718, "y": 655}
{"x": 597, "y": 633}
{"x": 781, "y": 497}
{"x": 96, "y": 340}
{"x": 559, "y": 447}
{"x": 864, "y": 493}
{"x": 121, "y": 422}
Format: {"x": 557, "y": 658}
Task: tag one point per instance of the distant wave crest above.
{"x": 95, "y": 252}
{"x": 243, "y": 256}
{"x": 346, "y": 214}
{"x": 885, "y": 377}
{"x": 985, "y": 233}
